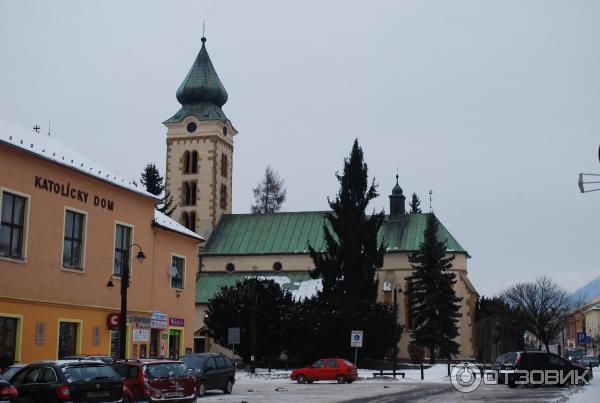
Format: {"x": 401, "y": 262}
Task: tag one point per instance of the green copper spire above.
{"x": 201, "y": 93}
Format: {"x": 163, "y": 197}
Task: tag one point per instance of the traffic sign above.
{"x": 356, "y": 338}
{"x": 581, "y": 338}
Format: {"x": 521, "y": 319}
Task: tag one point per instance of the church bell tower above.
{"x": 200, "y": 149}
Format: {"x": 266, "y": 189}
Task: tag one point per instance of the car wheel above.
{"x": 201, "y": 389}
{"x": 301, "y": 379}
{"x": 228, "y": 387}
{"x": 341, "y": 379}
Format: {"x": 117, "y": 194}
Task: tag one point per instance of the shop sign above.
{"x": 113, "y": 321}
{"x": 142, "y": 322}
{"x": 164, "y": 336}
{"x": 176, "y": 322}
{"x": 40, "y": 332}
{"x": 141, "y": 334}
{"x": 158, "y": 320}
{"x": 72, "y": 192}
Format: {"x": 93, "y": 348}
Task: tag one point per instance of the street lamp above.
{"x": 395, "y": 349}
{"x": 253, "y": 323}
{"x": 124, "y": 286}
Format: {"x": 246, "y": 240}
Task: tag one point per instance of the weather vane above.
{"x": 36, "y": 128}
{"x": 203, "y": 28}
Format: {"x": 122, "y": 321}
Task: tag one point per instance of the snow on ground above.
{"x": 589, "y": 393}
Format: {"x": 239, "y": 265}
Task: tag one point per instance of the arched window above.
{"x": 194, "y": 167}
{"x": 186, "y": 162}
{"x": 193, "y": 193}
{"x": 224, "y": 165}
{"x": 185, "y": 221}
{"x": 223, "y": 201}
{"x": 186, "y": 197}
{"x": 192, "y": 225}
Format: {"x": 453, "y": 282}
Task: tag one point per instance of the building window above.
{"x": 189, "y": 193}
{"x": 186, "y": 194}
{"x": 67, "y": 339}
{"x": 186, "y": 162}
{"x": 8, "y": 335}
{"x": 277, "y": 266}
{"x": 192, "y": 225}
{"x": 73, "y": 240}
{"x": 122, "y": 242}
{"x": 223, "y": 197}
{"x": 230, "y": 267}
{"x": 224, "y": 165}
{"x": 177, "y": 279}
{"x": 12, "y": 225}
{"x": 185, "y": 220}
{"x": 194, "y": 167}
{"x": 193, "y": 193}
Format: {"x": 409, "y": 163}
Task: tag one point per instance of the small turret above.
{"x": 397, "y": 201}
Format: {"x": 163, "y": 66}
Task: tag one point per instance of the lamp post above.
{"x": 395, "y": 349}
{"x": 124, "y": 286}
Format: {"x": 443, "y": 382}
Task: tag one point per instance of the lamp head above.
{"x": 110, "y": 284}
{"x": 140, "y": 256}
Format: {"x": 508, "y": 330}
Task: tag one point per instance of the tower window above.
{"x": 185, "y": 220}
{"x": 277, "y": 266}
{"x": 191, "y": 127}
{"x": 194, "y": 162}
{"x": 224, "y": 165}
{"x": 186, "y": 162}
{"x": 192, "y": 225}
{"x": 230, "y": 267}
{"x": 193, "y": 193}
{"x": 223, "y": 197}
{"x": 225, "y": 131}
{"x": 186, "y": 196}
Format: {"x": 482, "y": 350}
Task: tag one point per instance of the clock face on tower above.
{"x": 191, "y": 127}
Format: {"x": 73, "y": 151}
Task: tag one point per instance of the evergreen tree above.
{"x": 434, "y": 304}
{"x": 269, "y": 195}
{"x": 414, "y": 204}
{"x": 352, "y": 254}
{"x": 154, "y": 184}
{"x": 232, "y": 307}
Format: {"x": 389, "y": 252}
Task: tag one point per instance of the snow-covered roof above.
{"x": 163, "y": 220}
{"x": 50, "y": 149}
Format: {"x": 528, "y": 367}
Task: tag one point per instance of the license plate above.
{"x": 100, "y": 393}
{"x": 173, "y": 394}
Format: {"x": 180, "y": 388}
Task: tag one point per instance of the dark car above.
{"x": 540, "y": 361}
{"x": 156, "y": 380}
{"x": 107, "y": 359}
{"x": 8, "y": 393}
{"x": 212, "y": 371}
{"x": 326, "y": 369}
{"x": 10, "y": 371}
{"x": 60, "y": 380}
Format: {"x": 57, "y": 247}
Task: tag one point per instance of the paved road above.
{"x": 485, "y": 393}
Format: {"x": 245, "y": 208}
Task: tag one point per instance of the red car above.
{"x": 327, "y": 369}
{"x": 156, "y": 380}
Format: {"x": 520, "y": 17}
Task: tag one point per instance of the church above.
{"x": 199, "y": 167}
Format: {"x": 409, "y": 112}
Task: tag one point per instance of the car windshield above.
{"x": 166, "y": 370}
{"x": 9, "y": 372}
{"x": 347, "y": 362}
{"x": 194, "y": 362}
{"x": 84, "y": 373}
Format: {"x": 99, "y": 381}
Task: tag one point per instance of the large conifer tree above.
{"x": 414, "y": 204}
{"x": 154, "y": 184}
{"x": 352, "y": 254}
{"x": 434, "y": 304}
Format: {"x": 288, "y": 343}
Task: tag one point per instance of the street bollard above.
{"x": 422, "y": 375}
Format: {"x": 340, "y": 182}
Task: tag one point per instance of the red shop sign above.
{"x": 113, "y": 321}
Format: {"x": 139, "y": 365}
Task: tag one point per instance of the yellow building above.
{"x": 66, "y": 229}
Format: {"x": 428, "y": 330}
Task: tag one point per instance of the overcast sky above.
{"x": 493, "y": 105}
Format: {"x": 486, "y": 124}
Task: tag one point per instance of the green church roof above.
{"x": 298, "y": 283}
{"x": 201, "y": 93}
{"x": 291, "y": 233}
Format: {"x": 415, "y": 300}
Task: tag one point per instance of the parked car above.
{"x": 156, "y": 380}
{"x": 539, "y": 360}
{"x": 502, "y": 362}
{"x": 10, "y": 371}
{"x": 8, "y": 393}
{"x": 60, "y": 380}
{"x": 107, "y": 359}
{"x": 326, "y": 369}
{"x": 211, "y": 371}
{"x": 575, "y": 355}
{"x": 589, "y": 359}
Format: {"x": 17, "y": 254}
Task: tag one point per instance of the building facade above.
{"x": 67, "y": 226}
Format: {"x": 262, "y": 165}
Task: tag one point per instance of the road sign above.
{"x": 581, "y": 338}
{"x": 356, "y": 338}
{"x": 233, "y": 335}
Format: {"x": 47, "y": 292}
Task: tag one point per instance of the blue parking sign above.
{"x": 581, "y": 338}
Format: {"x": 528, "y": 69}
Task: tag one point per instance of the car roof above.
{"x": 208, "y": 354}
{"x": 147, "y": 361}
{"x": 67, "y": 362}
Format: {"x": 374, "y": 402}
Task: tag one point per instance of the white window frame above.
{"x": 182, "y": 274}
{"x": 81, "y": 269}
{"x": 23, "y": 258}
{"x": 131, "y": 241}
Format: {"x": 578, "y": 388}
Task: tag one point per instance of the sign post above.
{"x": 233, "y": 337}
{"x": 356, "y": 341}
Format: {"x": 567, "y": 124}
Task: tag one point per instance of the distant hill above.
{"x": 588, "y": 291}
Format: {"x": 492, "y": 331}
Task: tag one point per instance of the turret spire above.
{"x": 397, "y": 201}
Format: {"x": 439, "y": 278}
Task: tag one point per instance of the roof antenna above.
{"x": 203, "y": 28}
{"x": 430, "y": 193}
{"x": 36, "y": 128}
{"x": 48, "y": 127}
